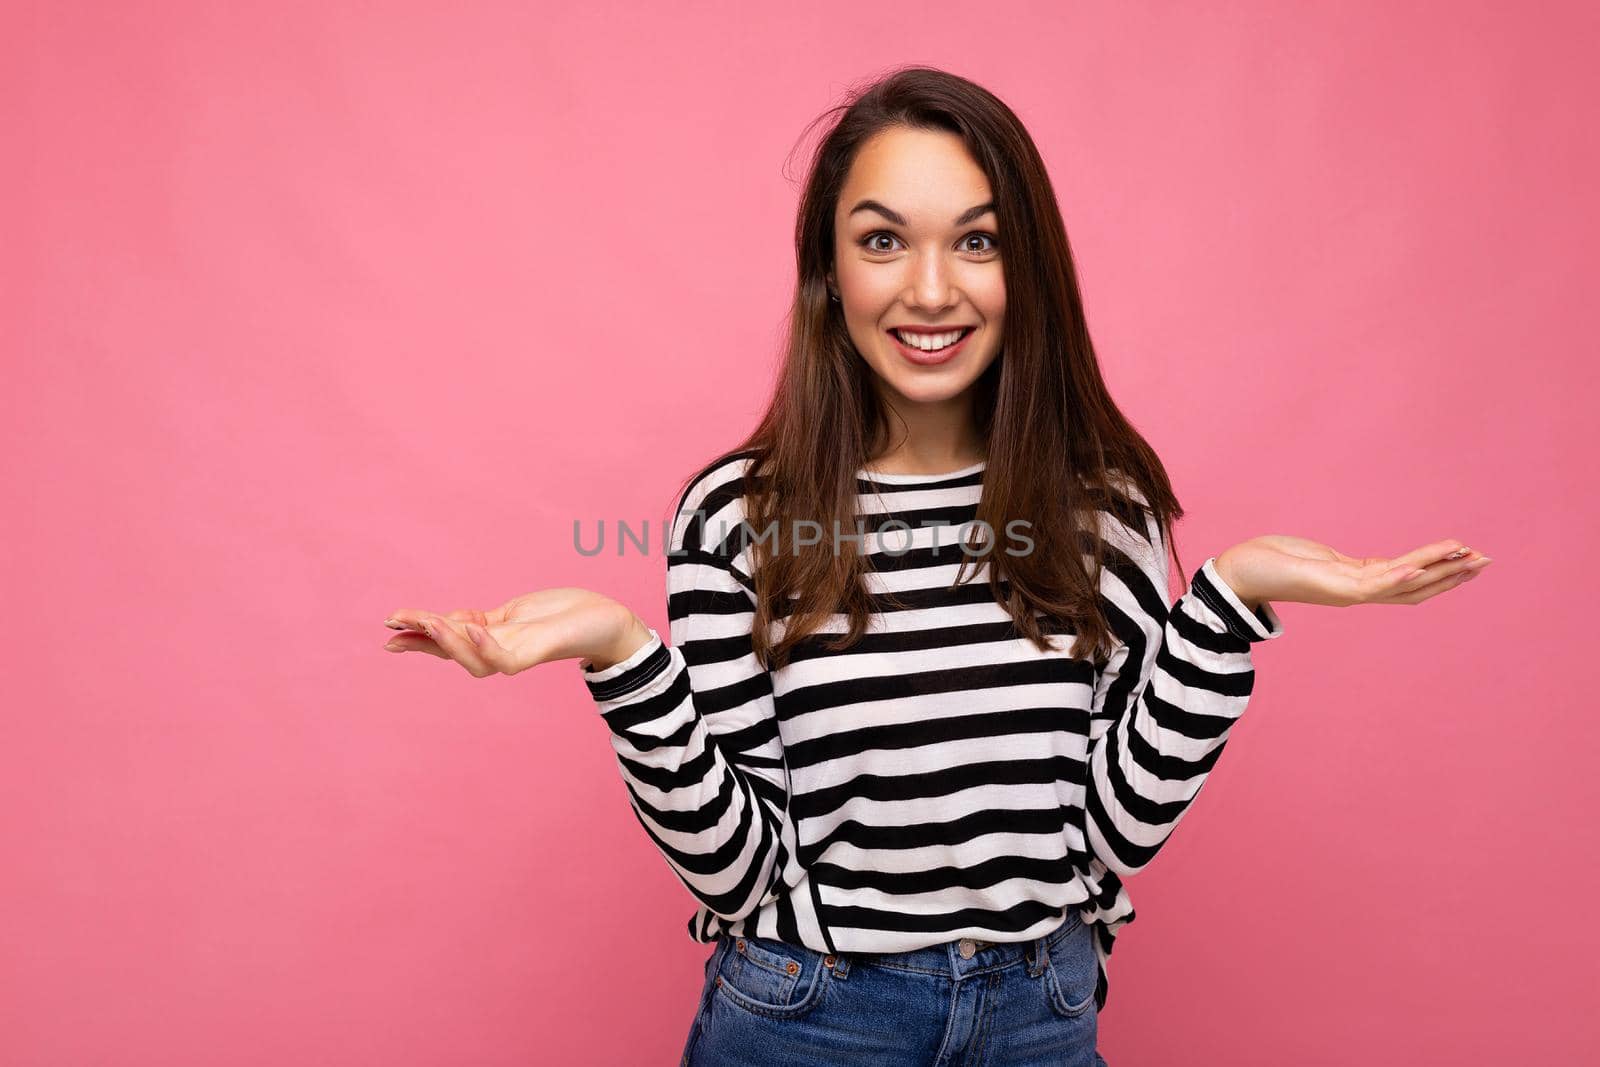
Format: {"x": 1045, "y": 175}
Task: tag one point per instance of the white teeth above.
{"x": 930, "y": 342}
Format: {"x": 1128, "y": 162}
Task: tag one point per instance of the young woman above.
{"x": 928, "y": 700}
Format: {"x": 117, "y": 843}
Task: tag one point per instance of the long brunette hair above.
{"x": 1057, "y": 446}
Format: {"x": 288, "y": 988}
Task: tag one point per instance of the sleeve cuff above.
{"x": 649, "y": 662}
{"x": 1262, "y": 624}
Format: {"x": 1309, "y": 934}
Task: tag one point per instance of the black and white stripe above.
{"x": 941, "y": 778}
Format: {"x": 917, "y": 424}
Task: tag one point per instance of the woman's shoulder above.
{"x": 721, "y": 479}
{"x": 1119, "y": 488}
{"x": 711, "y": 505}
{"x": 1122, "y": 511}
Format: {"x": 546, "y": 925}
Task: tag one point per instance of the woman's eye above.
{"x": 869, "y": 241}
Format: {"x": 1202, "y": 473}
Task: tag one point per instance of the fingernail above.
{"x": 427, "y": 627}
{"x": 1458, "y": 553}
{"x": 1480, "y": 563}
{"x": 392, "y": 647}
{"x": 1466, "y": 576}
{"x": 394, "y": 625}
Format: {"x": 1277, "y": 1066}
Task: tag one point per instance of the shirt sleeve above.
{"x": 1178, "y": 679}
{"x": 694, "y": 728}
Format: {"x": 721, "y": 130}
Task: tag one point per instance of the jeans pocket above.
{"x": 770, "y": 977}
{"x": 1072, "y": 970}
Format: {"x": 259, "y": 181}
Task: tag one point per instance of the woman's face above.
{"x": 916, "y": 247}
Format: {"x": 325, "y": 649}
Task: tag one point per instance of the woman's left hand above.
{"x": 1279, "y": 567}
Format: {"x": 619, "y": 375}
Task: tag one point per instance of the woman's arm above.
{"x": 694, "y": 728}
{"x": 1176, "y": 683}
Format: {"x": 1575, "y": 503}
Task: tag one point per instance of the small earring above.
{"x": 833, "y": 296}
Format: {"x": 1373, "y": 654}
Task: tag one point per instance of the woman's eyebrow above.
{"x": 899, "y": 220}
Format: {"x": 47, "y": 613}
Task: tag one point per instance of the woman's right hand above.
{"x": 537, "y": 627}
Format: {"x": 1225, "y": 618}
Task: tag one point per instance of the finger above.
{"x": 1432, "y": 588}
{"x": 465, "y": 615}
{"x": 410, "y": 619}
{"x": 490, "y": 650}
{"x": 414, "y": 641}
{"x": 1446, "y": 568}
{"x": 1426, "y": 592}
{"x": 1379, "y": 585}
{"x": 452, "y": 639}
{"x": 1447, "y": 550}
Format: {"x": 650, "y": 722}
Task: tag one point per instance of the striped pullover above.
{"x": 942, "y": 778}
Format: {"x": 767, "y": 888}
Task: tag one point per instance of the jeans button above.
{"x": 966, "y": 948}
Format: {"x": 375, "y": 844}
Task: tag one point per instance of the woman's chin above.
{"x": 929, "y": 386}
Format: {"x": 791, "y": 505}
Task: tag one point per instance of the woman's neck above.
{"x": 933, "y": 459}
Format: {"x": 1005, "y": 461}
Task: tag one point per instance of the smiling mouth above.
{"x": 917, "y": 341}
{"x": 925, "y": 357}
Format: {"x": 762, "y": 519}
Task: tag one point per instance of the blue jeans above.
{"x": 955, "y": 1004}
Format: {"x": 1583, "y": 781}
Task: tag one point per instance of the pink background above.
{"x": 316, "y": 311}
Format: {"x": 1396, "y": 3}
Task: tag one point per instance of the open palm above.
{"x": 1293, "y": 569}
{"x": 537, "y": 627}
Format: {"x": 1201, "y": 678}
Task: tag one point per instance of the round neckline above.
{"x": 906, "y": 479}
